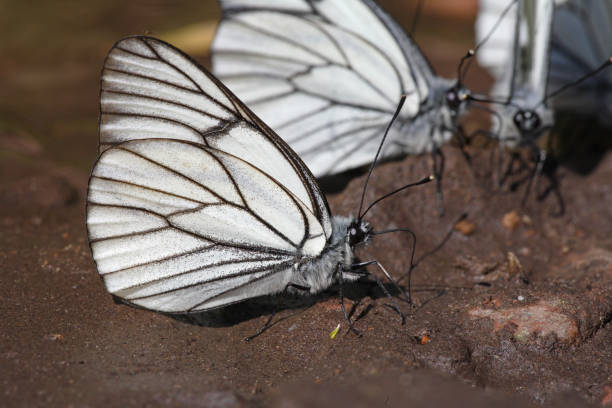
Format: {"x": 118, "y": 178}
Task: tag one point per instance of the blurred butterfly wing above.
{"x": 516, "y": 48}
{"x": 193, "y": 202}
{"x": 496, "y": 28}
{"x": 150, "y": 89}
{"x": 581, "y": 42}
{"x": 326, "y": 75}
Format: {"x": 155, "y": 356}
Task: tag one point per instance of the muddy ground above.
{"x": 512, "y": 306}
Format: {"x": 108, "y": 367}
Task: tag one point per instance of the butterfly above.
{"x": 194, "y": 203}
{"x": 546, "y": 57}
{"x": 516, "y": 46}
{"x": 326, "y": 75}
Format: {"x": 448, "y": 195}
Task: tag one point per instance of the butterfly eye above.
{"x": 453, "y": 100}
{"x": 353, "y": 231}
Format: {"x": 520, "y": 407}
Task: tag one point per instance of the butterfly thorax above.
{"x": 436, "y": 121}
{"x": 523, "y": 121}
{"x": 321, "y": 272}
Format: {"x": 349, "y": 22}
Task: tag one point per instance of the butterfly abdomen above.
{"x": 320, "y": 273}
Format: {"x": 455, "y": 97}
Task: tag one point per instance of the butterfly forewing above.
{"x": 516, "y": 45}
{"x": 326, "y": 75}
{"x": 193, "y": 202}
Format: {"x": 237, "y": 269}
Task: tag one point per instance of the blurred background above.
{"x": 51, "y": 55}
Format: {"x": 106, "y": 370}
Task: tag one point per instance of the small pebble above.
{"x": 514, "y": 265}
{"x": 465, "y": 227}
{"x": 511, "y": 220}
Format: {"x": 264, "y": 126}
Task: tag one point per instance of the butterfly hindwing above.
{"x": 326, "y": 75}
{"x": 193, "y": 202}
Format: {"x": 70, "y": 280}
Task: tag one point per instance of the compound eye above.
{"x": 352, "y": 231}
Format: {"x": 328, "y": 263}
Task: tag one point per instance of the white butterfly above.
{"x": 516, "y": 45}
{"x": 194, "y": 203}
{"x": 326, "y": 75}
{"x": 539, "y": 53}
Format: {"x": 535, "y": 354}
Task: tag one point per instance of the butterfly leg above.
{"x": 438, "y": 170}
{"x": 463, "y": 140}
{"x": 341, "y": 299}
{"x": 380, "y": 284}
{"x": 500, "y": 165}
{"x": 539, "y": 157}
{"x": 268, "y": 322}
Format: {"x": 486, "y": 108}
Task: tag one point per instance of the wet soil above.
{"x": 512, "y": 306}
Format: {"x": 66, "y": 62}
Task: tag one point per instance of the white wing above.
{"x": 193, "y": 203}
{"x": 581, "y": 42}
{"x": 516, "y": 45}
{"x": 326, "y": 75}
{"x": 152, "y": 90}
{"x": 515, "y": 48}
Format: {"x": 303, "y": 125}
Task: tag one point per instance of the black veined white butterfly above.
{"x": 544, "y": 56}
{"x": 194, "y": 203}
{"x": 516, "y": 46}
{"x": 326, "y": 75}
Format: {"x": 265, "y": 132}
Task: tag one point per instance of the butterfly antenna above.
{"x": 382, "y": 142}
{"x": 461, "y": 75}
{"x": 417, "y": 16}
{"x": 484, "y": 99}
{"x": 567, "y": 86}
{"x": 418, "y": 183}
{"x": 495, "y": 26}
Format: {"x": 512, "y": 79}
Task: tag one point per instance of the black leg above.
{"x": 538, "y": 156}
{"x": 500, "y": 164}
{"x": 268, "y": 322}
{"x": 380, "y": 284}
{"x": 341, "y": 298}
{"x": 438, "y": 170}
{"x": 463, "y": 141}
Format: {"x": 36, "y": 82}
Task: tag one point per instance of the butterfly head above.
{"x": 456, "y": 97}
{"x": 358, "y": 232}
{"x": 527, "y": 121}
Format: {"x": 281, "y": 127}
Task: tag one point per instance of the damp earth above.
{"x": 512, "y": 299}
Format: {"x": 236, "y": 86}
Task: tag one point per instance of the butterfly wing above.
{"x": 581, "y": 42}
{"x": 326, "y": 75}
{"x": 193, "y": 203}
{"x": 516, "y": 47}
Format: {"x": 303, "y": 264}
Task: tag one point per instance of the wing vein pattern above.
{"x": 193, "y": 202}
{"x": 323, "y": 69}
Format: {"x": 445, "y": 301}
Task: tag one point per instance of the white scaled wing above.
{"x": 515, "y": 37}
{"x": 582, "y": 42}
{"x": 193, "y": 202}
{"x": 326, "y": 75}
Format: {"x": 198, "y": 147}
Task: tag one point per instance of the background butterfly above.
{"x": 194, "y": 203}
{"x": 326, "y": 76}
{"x": 539, "y": 48}
{"x": 516, "y": 47}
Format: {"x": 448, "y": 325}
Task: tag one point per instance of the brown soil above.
{"x": 512, "y": 306}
